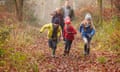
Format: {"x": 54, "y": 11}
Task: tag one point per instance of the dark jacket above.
{"x": 71, "y": 12}
{"x": 60, "y": 17}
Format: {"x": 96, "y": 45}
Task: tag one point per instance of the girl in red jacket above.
{"x": 69, "y": 33}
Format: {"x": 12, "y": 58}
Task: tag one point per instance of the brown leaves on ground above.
{"x": 97, "y": 61}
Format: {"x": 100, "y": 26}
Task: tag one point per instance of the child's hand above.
{"x": 70, "y": 32}
{"x": 40, "y": 32}
{"x": 89, "y": 35}
{"x": 61, "y": 38}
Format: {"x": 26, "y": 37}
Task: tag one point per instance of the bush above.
{"x": 102, "y": 36}
{"x": 19, "y": 61}
{"x": 102, "y": 60}
{"x": 35, "y": 67}
{"x": 2, "y": 63}
{"x": 114, "y": 41}
{"x": 4, "y": 34}
{"x": 15, "y": 39}
{"x": 2, "y": 52}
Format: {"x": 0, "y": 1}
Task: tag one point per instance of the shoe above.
{"x": 85, "y": 54}
{"x": 53, "y": 56}
{"x": 65, "y": 52}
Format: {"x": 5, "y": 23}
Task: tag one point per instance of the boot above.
{"x": 65, "y": 52}
{"x": 53, "y": 53}
{"x": 88, "y": 51}
{"x": 85, "y": 49}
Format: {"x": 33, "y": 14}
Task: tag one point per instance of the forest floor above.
{"x": 97, "y": 61}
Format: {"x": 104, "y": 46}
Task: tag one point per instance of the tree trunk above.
{"x": 117, "y": 6}
{"x": 100, "y": 11}
{"x": 19, "y": 9}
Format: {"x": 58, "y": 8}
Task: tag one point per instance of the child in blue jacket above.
{"x": 87, "y": 31}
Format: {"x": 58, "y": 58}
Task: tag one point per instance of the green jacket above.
{"x": 49, "y": 27}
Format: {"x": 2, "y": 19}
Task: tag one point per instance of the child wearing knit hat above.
{"x": 87, "y": 31}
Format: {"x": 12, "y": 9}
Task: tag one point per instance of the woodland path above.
{"x": 75, "y": 62}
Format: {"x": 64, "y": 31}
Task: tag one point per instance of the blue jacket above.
{"x": 87, "y": 31}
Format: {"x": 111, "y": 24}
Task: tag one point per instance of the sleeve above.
{"x": 80, "y": 29}
{"x": 53, "y": 19}
{"x": 44, "y": 27}
{"x": 74, "y": 31}
{"x": 59, "y": 32}
{"x": 92, "y": 32}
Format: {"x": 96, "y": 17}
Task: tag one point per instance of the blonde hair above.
{"x": 84, "y": 22}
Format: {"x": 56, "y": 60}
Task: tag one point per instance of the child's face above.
{"x": 86, "y": 23}
{"x": 89, "y": 21}
{"x": 58, "y": 10}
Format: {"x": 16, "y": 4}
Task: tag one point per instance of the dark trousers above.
{"x": 67, "y": 46}
{"x": 87, "y": 45}
{"x": 52, "y": 45}
{"x": 86, "y": 49}
{"x": 62, "y": 27}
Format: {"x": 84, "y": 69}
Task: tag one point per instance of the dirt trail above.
{"x": 75, "y": 62}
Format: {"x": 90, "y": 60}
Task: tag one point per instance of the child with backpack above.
{"x": 69, "y": 33}
{"x": 87, "y": 31}
{"x": 54, "y": 33}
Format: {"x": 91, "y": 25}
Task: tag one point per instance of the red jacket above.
{"x": 69, "y": 33}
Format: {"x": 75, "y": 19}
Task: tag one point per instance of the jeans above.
{"x": 52, "y": 45}
{"x": 68, "y": 45}
{"x": 87, "y": 45}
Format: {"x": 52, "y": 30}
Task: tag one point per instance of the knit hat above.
{"x": 88, "y": 16}
{"x": 56, "y": 21}
{"x": 67, "y": 20}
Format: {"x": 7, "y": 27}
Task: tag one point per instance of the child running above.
{"x": 87, "y": 31}
{"x": 69, "y": 33}
{"x": 54, "y": 32}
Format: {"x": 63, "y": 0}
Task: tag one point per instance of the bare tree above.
{"x": 19, "y": 9}
{"x": 117, "y": 6}
{"x": 100, "y": 10}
